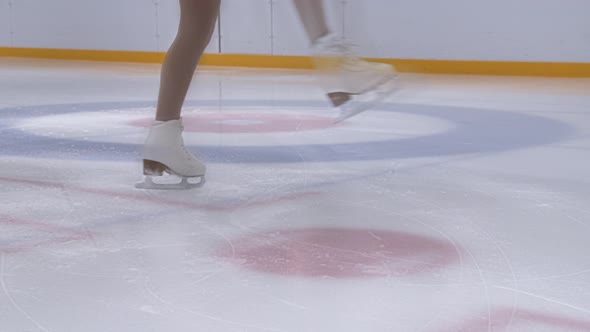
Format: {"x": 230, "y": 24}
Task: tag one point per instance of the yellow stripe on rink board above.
{"x": 90, "y": 55}
{"x": 257, "y": 61}
{"x": 547, "y": 69}
{"x": 503, "y": 68}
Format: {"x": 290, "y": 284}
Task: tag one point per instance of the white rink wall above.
{"x": 502, "y": 30}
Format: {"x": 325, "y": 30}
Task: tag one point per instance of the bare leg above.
{"x": 197, "y": 23}
{"x": 164, "y": 149}
{"x": 313, "y": 17}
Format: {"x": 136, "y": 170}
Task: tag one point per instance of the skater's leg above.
{"x": 352, "y": 84}
{"x": 197, "y": 23}
{"x": 313, "y": 17}
{"x": 164, "y": 150}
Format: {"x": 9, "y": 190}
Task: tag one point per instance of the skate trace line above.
{"x": 503, "y": 318}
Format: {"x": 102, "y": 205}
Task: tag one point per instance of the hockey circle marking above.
{"x": 340, "y": 253}
{"x": 471, "y": 131}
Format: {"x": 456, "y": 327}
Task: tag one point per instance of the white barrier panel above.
{"x": 5, "y": 23}
{"x": 103, "y": 25}
{"x": 246, "y": 26}
{"x": 524, "y": 30}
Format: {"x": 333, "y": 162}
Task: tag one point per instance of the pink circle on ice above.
{"x": 247, "y": 123}
{"x": 340, "y": 253}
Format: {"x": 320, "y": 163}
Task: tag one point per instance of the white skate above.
{"x": 164, "y": 152}
{"x": 352, "y": 84}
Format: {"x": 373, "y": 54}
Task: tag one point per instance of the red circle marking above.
{"x": 247, "y": 123}
{"x": 339, "y": 253}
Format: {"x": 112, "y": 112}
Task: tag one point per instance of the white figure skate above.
{"x": 164, "y": 152}
{"x": 352, "y": 84}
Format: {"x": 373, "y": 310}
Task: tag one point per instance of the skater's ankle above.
{"x": 166, "y": 119}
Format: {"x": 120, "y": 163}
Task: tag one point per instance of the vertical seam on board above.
{"x": 343, "y": 17}
{"x": 272, "y": 28}
{"x": 219, "y": 31}
{"x": 157, "y": 13}
{"x": 11, "y": 22}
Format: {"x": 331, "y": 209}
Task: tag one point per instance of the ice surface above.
{"x": 462, "y": 204}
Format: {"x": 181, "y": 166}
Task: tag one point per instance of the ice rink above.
{"x": 461, "y": 204}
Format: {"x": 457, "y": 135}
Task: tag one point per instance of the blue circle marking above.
{"x": 475, "y": 131}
